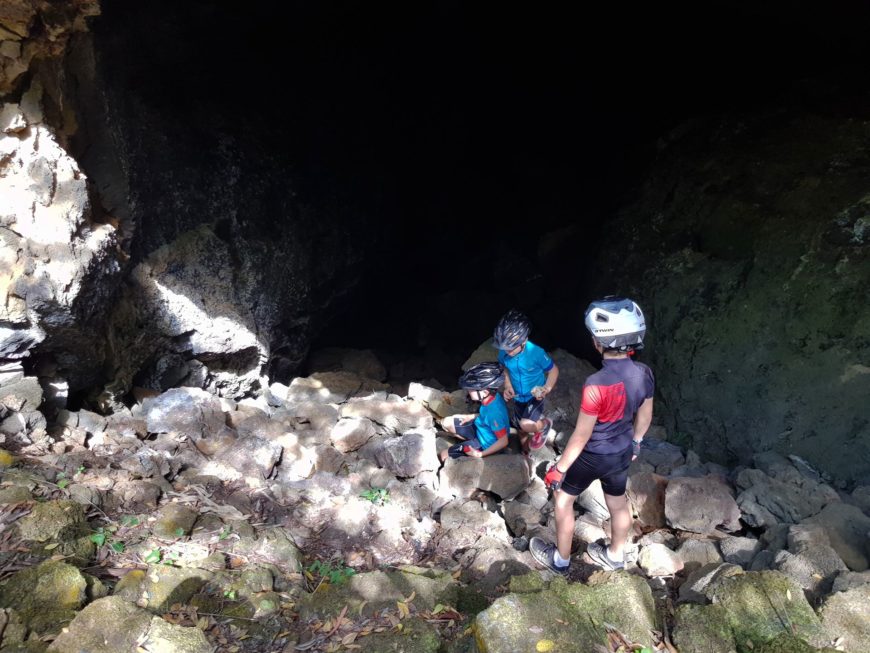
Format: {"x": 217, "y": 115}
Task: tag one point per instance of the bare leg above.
{"x": 620, "y": 523}
{"x": 564, "y": 503}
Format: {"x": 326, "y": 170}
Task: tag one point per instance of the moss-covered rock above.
{"x": 785, "y": 643}
{"x": 161, "y": 585}
{"x": 567, "y": 616}
{"x": 108, "y": 625}
{"x": 58, "y": 527}
{"x": 378, "y": 590}
{"x": 15, "y": 494}
{"x": 45, "y": 596}
{"x": 530, "y": 582}
{"x": 175, "y": 520}
{"x": 748, "y": 611}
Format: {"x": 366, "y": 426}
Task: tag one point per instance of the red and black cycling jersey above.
{"x": 613, "y": 395}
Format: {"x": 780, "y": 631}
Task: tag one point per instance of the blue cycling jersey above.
{"x": 527, "y": 369}
{"x": 492, "y": 422}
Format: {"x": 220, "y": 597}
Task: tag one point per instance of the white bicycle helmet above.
{"x": 616, "y": 323}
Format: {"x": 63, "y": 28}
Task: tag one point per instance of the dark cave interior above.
{"x": 483, "y": 148}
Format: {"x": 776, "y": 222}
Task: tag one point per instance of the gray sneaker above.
{"x": 598, "y": 554}
{"x": 543, "y": 553}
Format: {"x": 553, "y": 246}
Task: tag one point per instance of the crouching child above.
{"x": 486, "y": 432}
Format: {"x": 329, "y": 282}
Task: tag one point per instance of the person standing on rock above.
{"x": 531, "y": 376}
{"x": 486, "y": 432}
{"x": 615, "y": 413}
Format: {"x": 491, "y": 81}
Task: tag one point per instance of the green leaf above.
{"x": 62, "y": 483}
{"x": 81, "y": 469}
{"x": 154, "y": 556}
{"x": 179, "y": 532}
{"x": 129, "y": 520}
{"x": 61, "y": 475}
{"x": 117, "y": 547}
{"x": 225, "y": 533}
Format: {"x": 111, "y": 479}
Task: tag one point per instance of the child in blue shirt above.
{"x": 486, "y": 432}
{"x": 531, "y": 376}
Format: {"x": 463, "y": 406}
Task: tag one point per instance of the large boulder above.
{"x": 362, "y": 362}
{"x": 568, "y": 616}
{"x": 746, "y": 611}
{"x": 646, "y": 496}
{"x": 408, "y": 454}
{"x": 46, "y": 596}
{"x": 505, "y": 475}
{"x": 701, "y": 505}
{"x": 391, "y": 417}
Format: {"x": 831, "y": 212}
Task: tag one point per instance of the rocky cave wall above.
{"x": 748, "y": 246}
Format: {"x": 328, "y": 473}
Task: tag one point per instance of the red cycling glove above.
{"x": 553, "y": 478}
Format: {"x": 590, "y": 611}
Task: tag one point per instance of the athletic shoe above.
{"x": 599, "y": 556}
{"x": 540, "y": 437}
{"x": 544, "y": 554}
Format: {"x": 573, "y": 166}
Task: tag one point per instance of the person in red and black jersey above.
{"x": 615, "y": 413}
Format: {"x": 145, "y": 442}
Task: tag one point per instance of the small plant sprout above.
{"x": 377, "y": 495}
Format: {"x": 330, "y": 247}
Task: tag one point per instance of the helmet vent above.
{"x": 601, "y": 317}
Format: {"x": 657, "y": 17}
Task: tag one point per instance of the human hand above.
{"x": 472, "y": 452}
{"x": 635, "y": 449}
{"x": 540, "y": 391}
{"x": 466, "y": 419}
{"x": 509, "y": 393}
{"x": 553, "y": 478}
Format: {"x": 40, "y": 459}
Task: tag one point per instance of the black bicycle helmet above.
{"x": 616, "y": 323}
{"x": 511, "y": 331}
{"x": 482, "y": 376}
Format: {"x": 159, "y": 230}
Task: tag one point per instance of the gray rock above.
{"x": 694, "y": 589}
{"x": 846, "y": 580}
{"x": 443, "y": 404}
{"x": 251, "y": 459}
{"x": 591, "y": 501}
{"x": 664, "y": 456}
{"x": 846, "y": 615}
{"x": 847, "y": 527}
{"x": 465, "y": 522}
{"x": 701, "y": 505}
{"x": 790, "y": 498}
{"x": 393, "y": 417}
{"x": 163, "y": 636}
{"x": 409, "y": 454}
{"x": 331, "y": 388}
{"x": 188, "y": 412}
{"x": 13, "y": 425}
{"x": 351, "y": 433}
{"x": 813, "y": 567}
{"x": 520, "y": 516}
{"x": 659, "y": 560}
{"x": 697, "y": 553}
{"x": 503, "y": 474}
{"x": 739, "y": 550}
{"x": 22, "y": 394}
{"x": 861, "y": 497}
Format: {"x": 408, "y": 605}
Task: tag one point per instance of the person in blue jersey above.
{"x": 615, "y": 412}
{"x": 531, "y": 376}
{"x": 486, "y": 432}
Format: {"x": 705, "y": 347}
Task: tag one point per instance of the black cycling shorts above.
{"x": 610, "y": 468}
{"x": 532, "y": 409}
